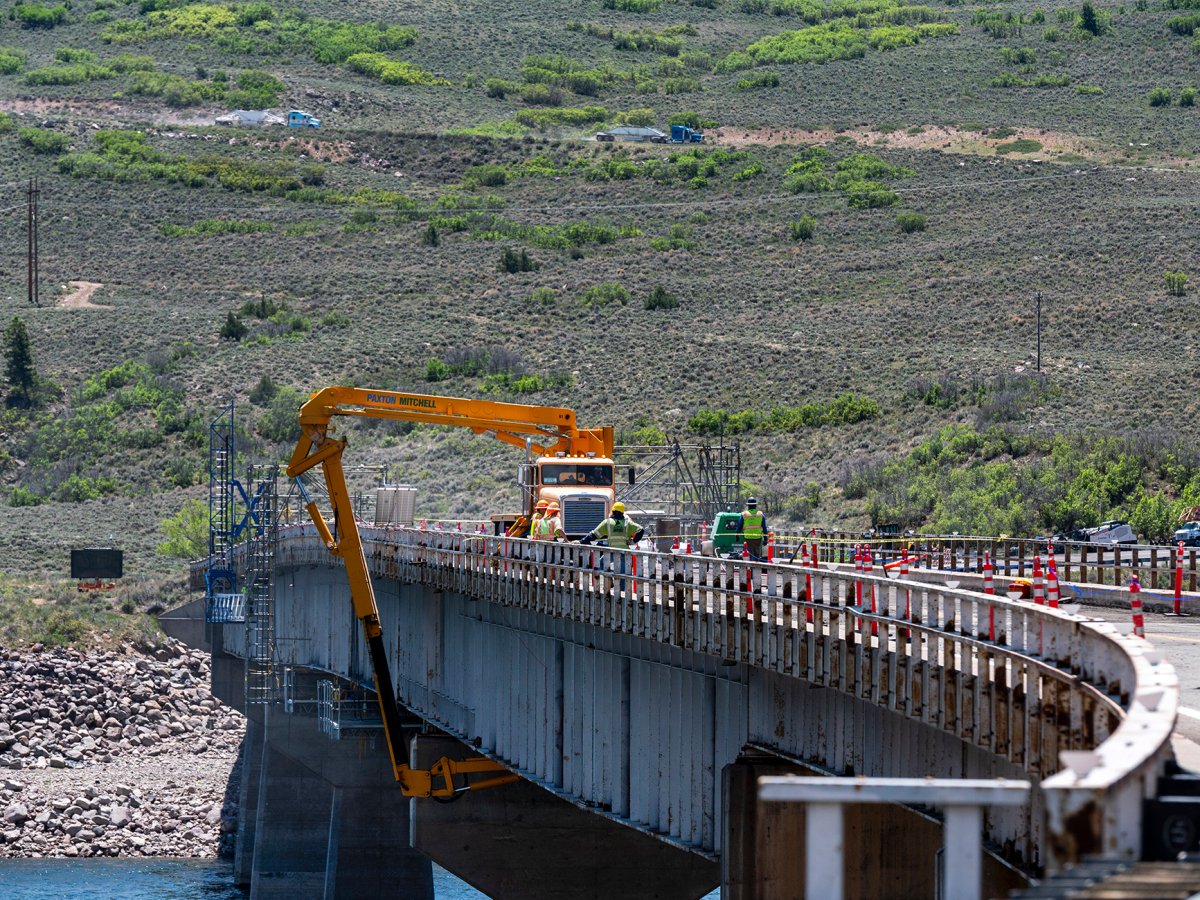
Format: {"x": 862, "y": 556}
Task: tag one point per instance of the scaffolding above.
{"x": 692, "y": 482}
{"x": 223, "y": 602}
{"x": 345, "y": 711}
{"x": 261, "y": 681}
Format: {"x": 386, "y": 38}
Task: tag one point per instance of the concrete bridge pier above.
{"x": 322, "y": 818}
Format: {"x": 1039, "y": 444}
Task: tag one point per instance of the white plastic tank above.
{"x": 395, "y": 504}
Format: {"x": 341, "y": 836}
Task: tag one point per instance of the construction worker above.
{"x": 621, "y": 532}
{"x": 753, "y": 527}
{"x": 549, "y": 526}
{"x": 538, "y": 513}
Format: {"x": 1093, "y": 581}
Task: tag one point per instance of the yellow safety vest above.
{"x": 534, "y": 522}
{"x": 752, "y": 525}
{"x": 546, "y": 528}
{"x": 617, "y": 534}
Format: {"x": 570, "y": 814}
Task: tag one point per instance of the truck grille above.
{"x": 580, "y": 515}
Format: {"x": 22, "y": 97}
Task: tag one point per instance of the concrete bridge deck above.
{"x": 650, "y": 690}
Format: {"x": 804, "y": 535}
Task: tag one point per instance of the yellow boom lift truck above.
{"x": 563, "y": 462}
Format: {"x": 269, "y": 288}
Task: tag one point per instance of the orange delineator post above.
{"x": 1052, "y": 592}
{"x": 808, "y": 561}
{"x": 869, "y": 568}
{"x": 1039, "y": 586}
{"x": 771, "y": 547}
{"x": 1179, "y": 579}
{"x": 749, "y": 579}
{"x": 989, "y": 587}
{"x": 858, "y": 567}
{"x": 1135, "y": 605}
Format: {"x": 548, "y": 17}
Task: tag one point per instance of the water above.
{"x": 151, "y": 879}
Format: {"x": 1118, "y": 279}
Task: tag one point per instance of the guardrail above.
{"x": 1027, "y": 683}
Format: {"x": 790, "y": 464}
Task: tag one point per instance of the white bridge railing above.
{"x": 1023, "y": 682}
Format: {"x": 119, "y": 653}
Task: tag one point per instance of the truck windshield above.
{"x": 570, "y": 473}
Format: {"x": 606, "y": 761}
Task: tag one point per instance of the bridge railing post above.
{"x": 963, "y": 801}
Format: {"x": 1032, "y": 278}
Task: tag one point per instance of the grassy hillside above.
{"x": 823, "y": 277}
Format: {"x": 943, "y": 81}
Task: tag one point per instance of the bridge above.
{"x": 640, "y": 695}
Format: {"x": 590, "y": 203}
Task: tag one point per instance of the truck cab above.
{"x": 583, "y": 487}
{"x": 297, "y": 119}
{"x": 682, "y": 134}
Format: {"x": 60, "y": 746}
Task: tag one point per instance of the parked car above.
{"x": 1189, "y": 534}
{"x": 1112, "y": 532}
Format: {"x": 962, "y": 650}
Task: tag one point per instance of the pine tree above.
{"x": 1088, "y": 20}
{"x": 19, "y": 365}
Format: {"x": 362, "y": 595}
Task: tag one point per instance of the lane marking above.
{"x": 1190, "y": 713}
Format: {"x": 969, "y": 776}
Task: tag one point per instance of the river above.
{"x": 151, "y": 879}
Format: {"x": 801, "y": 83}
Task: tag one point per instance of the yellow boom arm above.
{"x": 546, "y": 429}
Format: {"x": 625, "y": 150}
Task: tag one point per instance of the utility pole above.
{"x": 32, "y": 227}
{"x": 1039, "y": 332}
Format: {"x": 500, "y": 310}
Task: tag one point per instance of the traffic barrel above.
{"x": 1135, "y": 605}
{"x": 675, "y": 543}
{"x": 1052, "y": 591}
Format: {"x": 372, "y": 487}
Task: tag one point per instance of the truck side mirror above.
{"x": 632, "y": 475}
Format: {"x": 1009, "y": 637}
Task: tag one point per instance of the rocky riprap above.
{"x": 115, "y": 754}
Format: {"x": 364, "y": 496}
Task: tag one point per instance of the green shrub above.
{"x": 335, "y": 319}
{"x": 1184, "y": 25}
{"x": 1176, "y": 283}
{"x": 5, "y": 122}
{"x": 1021, "y": 145}
{"x": 436, "y": 370}
{"x": 1022, "y": 56}
{"x": 487, "y": 175}
{"x": 43, "y": 140}
{"x": 908, "y": 222}
{"x": 691, "y": 120}
{"x": 210, "y": 227}
{"x": 659, "y": 298}
{"x": 22, "y": 496}
{"x": 1187, "y": 97}
{"x": 762, "y": 80}
{"x": 1160, "y": 96}
{"x": 71, "y": 55}
{"x": 131, "y": 62}
{"x": 279, "y": 423}
{"x": 565, "y": 116}
{"x": 12, "y": 60}
{"x": 679, "y": 237}
{"x": 61, "y": 628}
{"x": 869, "y": 195}
{"x": 234, "y": 329}
{"x": 513, "y": 261}
{"x": 543, "y": 296}
{"x": 1088, "y": 89}
{"x": 263, "y": 392}
{"x": 378, "y": 66}
{"x": 803, "y": 228}
{"x": 35, "y": 15}
{"x": 76, "y": 73}
{"x": 637, "y": 6}
{"x": 605, "y": 294}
